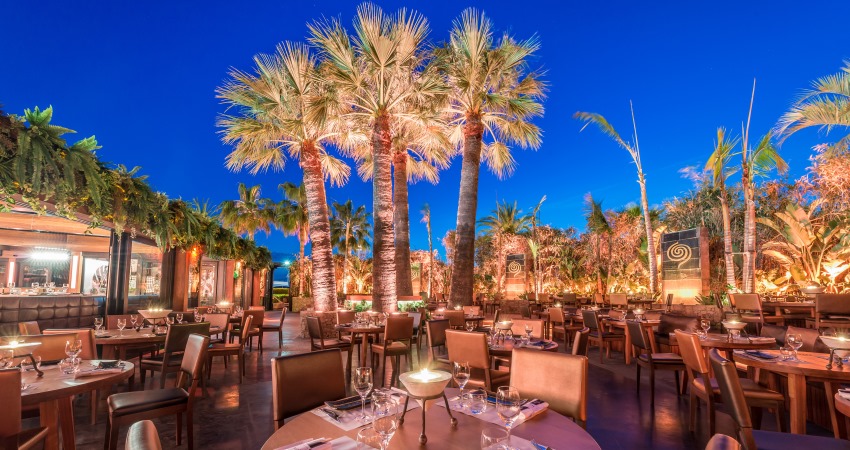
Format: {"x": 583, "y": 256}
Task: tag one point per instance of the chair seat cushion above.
{"x": 752, "y": 390}
{"x": 173, "y": 360}
{"x": 771, "y": 440}
{"x": 330, "y": 343}
{"x": 393, "y": 348}
{"x": 663, "y": 358}
{"x": 126, "y": 403}
{"x": 223, "y": 347}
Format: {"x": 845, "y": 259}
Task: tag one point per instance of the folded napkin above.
{"x": 96, "y": 372}
{"x": 762, "y": 339}
{"x": 350, "y": 419}
{"x": 529, "y": 409}
{"x": 309, "y": 444}
{"x": 538, "y": 343}
{"x": 760, "y": 354}
{"x": 348, "y": 403}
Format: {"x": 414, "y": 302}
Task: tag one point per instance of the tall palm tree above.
{"x": 533, "y": 218}
{"x": 598, "y": 224}
{"x": 634, "y": 152}
{"x": 494, "y": 97}
{"x": 377, "y": 75}
{"x": 249, "y": 214}
{"x": 350, "y": 233}
{"x": 719, "y": 165}
{"x": 426, "y": 219}
{"x": 281, "y": 110}
{"x": 292, "y": 217}
{"x": 507, "y": 220}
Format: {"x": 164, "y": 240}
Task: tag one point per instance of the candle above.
{"x": 458, "y": 308}
{"x": 639, "y": 311}
{"x": 425, "y": 376}
{"x": 13, "y": 344}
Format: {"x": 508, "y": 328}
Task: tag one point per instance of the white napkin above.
{"x": 303, "y": 445}
{"x": 349, "y": 420}
{"x": 844, "y": 395}
{"x": 96, "y": 372}
{"x": 492, "y": 416}
{"x": 517, "y": 443}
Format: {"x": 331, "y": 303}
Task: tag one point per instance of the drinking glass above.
{"x": 528, "y": 330}
{"x": 121, "y": 323}
{"x": 198, "y": 317}
{"x": 179, "y": 317}
{"x": 385, "y": 418}
{"x": 35, "y": 285}
{"x": 477, "y": 402}
{"x": 705, "y": 324}
{"x": 362, "y": 383}
{"x": 73, "y": 347}
{"x": 494, "y": 439}
{"x": 509, "y": 407}
{"x": 369, "y": 438}
{"x": 26, "y": 364}
{"x": 795, "y": 341}
{"x": 133, "y": 320}
{"x": 169, "y": 320}
{"x": 460, "y": 372}
{"x": 98, "y": 322}
{"x": 69, "y": 366}
{"x": 7, "y": 359}
{"x": 470, "y": 326}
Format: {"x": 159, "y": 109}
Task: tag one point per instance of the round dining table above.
{"x": 546, "y": 428}
{"x": 363, "y": 330}
{"x": 53, "y": 393}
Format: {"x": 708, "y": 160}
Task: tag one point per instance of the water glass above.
{"x": 494, "y": 439}
{"x": 460, "y": 372}
{"x": 368, "y": 438}
{"x": 179, "y": 317}
{"x": 26, "y": 364}
{"x": 73, "y": 347}
{"x": 385, "y": 418}
{"x": 7, "y": 359}
{"x": 477, "y": 402}
{"x": 362, "y": 383}
{"x": 795, "y": 341}
{"x": 121, "y": 323}
{"x": 470, "y": 326}
{"x": 198, "y": 317}
{"x": 169, "y": 320}
{"x": 133, "y": 320}
{"x": 509, "y": 407}
{"x": 69, "y": 366}
{"x": 705, "y": 324}
{"x": 786, "y": 352}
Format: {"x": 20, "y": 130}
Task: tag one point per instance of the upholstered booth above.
{"x": 55, "y": 311}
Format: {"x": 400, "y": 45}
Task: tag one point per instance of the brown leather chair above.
{"x": 569, "y": 299}
{"x": 580, "y": 342}
{"x": 319, "y": 342}
{"x": 518, "y": 327}
{"x": 472, "y": 348}
{"x": 129, "y": 407}
{"x": 832, "y": 310}
{"x": 557, "y": 379}
{"x": 143, "y": 436}
{"x": 810, "y": 336}
{"x": 738, "y": 408}
{"x": 757, "y": 396}
{"x": 169, "y": 360}
{"x": 457, "y": 319}
{"x": 304, "y": 381}
{"x": 750, "y": 308}
{"x": 652, "y": 361}
{"x": 274, "y": 326}
{"x": 226, "y": 350}
{"x": 398, "y": 336}
{"x": 561, "y": 326}
{"x": 669, "y": 323}
{"x": 525, "y": 312}
{"x": 259, "y": 316}
{"x": 52, "y": 346}
{"x": 598, "y": 335}
{"x": 619, "y": 301}
{"x": 86, "y": 335}
{"x": 28, "y": 328}
{"x": 132, "y": 351}
{"x": 722, "y": 442}
{"x": 10, "y": 415}
{"x": 219, "y": 320}
{"x": 437, "y": 352}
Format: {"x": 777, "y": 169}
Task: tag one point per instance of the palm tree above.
{"x": 350, "y": 233}
{"x": 426, "y": 219}
{"x": 492, "y": 95}
{"x": 377, "y": 75}
{"x": 598, "y": 224}
{"x": 634, "y": 152}
{"x": 249, "y": 214}
{"x": 291, "y": 217}
{"x": 507, "y": 220}
{"x": 282, "y": 111}
{"x": 719, "y": 165}
{"x": 534, "y": 243}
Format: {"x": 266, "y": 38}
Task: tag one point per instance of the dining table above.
{"x": 728, "y": 346}
{"x": 364, "y": 330}
{"x": 505, "y": 349}
{"x": 116, "y": 342}
{"x": 546, "y": 428}
{"x": 53, "y": 392}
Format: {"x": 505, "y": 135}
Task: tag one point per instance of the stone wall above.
{"x": 328, "y": 323}
{"x": 697, "y": 311}
{"x": 301, "y": 303}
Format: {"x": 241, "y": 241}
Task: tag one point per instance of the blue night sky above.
{"x": 141, "y": 77}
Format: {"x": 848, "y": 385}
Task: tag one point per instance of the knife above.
{"x": 332, "y": 414}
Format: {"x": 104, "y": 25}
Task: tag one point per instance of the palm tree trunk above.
{"x": 464, "y": 258}
{"x": 383, "y": 250}
{"x": 500, "y": 263}
{"x": 345, "y": 258}
{"x": 599, "y": 264}
{"x": 401, "y": 225}
{"x": 324, "y": 278}
{"x": 749, "y": 235}
{"x": 727, "y": 240}
{"x": 430, "y": 258}
{"x": 610, "y": 262}
{"x": 650, "y": 239}
{"x": 302, "y": 263}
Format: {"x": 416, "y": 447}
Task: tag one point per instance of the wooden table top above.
{"x": 549, "y": 428}
{"x": 811, "y": 365}
{"x": 143, "y": 336}
{"x": 505, "y": 349}
{"x": 54, "y": 384}
{"x": 361, "y": 328}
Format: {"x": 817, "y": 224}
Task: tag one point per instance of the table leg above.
{"x": 628, "y": 350}
{"x": 838, "y": 426}
{"x": 49, "y": 417}
{"x": 652, "y": 344}
{"x": 66, "y": 423}
{"x": 108, "y": 352}
{"x": 350, "y": 353}
{"x": 797, "y": 397}
{"x": 363, "y": 345}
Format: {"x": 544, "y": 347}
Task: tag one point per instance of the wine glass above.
{"x": 528, "y": 330}
{"x": 7, "y": 359}
{"x": 509, "y": 407}
{"x": 133, "y": 318}
{"x": 179, "y": 317}
{"x": 470, "y": 326}
{"x": 169, "y": 320}
{"x": 199, "y": 318}
{"x": 362, "y": 383}
{"x": 369, "y": 438}
{"x": 98, "y": 322}
{"x": 121, "y": 323}
{"x": 27, "y": 365}
{"x": 795, "y": 341}
{"x": 73, "y": 347}
{"x": 705, "y": 324}
{"x": 460, "y": 372}
{"x": 494, "y": 439}
{"x": 385, "y": 418}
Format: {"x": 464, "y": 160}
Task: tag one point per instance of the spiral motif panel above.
{"x": 679, "y": 253}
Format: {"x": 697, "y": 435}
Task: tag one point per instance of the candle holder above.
{"x": 734, "y": 328}
{"x": 422, "y": 386}
{"x": 23, "y": 345}
{"x": 155, "y": 316}
{"x": 839, "y": 348}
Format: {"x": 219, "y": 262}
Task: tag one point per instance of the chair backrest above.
{"x": 398, "y": 329}
{"x": 580, "y": 342}
{"x": 245, "y": 331}
{"x": 810, "y": 336}
{"x": 775, "y": 331}
{"x": 518, "y": 327}
{"x": 616, "y": 314}
{"x": 112, "y": 320}
{"x": 304, "y": 381}
{"x": 194, "y": 356}
{"x": 417, "y": 319}
{"x": 543, "y": 298}
{"x": 672, "y": 322}
{"x": 344, "y": 316}
{"x": 497, "y": 315}
{"x": 143, "y": 435}
{"x": 618, "y": 299}
{"x": 669, "y": 301}
{"x": 257, "y": 308}
{"x": 745, "y": 302}
{"x": 52, "y": 346}
{"x": 178, "y": 335}
{"x": 456, "y": 318}
{"x": 29, "y": 328}
{"x": 86, "y": 335}
{"x": 525, "y": 312}
{"x": 472, "y": 310}
{"x": 733, "y": 397}
{"x": 314, "y": 330}
{"x": 470, "y": 347}
{"x": 556, "y": 315}
{"x": 258, "y": 314}
{"x": 591, "y": 319}
{"x": 556, "y": 378}
{"x": 569, "y": 299}
{"x": 638, "y": 336}
{"x": 722, "y": 442}
{"x": 282, "y": 315}
{"x": 437, "y": 332}
{"x": 220, "y": 320}
{"x": 10, "y": 392}
{"x": 691, "y": 351}
{"x": 832, "y": 304}
{"x": 598, "y": 298}
{"x": 652, "y": 315}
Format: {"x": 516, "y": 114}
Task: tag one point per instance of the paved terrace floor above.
{"x": 238, "y": 416}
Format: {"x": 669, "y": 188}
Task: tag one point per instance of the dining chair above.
{"x": 619, "y": 301}
{"x": 457, "y": 319}
{"x": 257, "y": 308}
{"x": 750, "y": 308}
{"x": 259, "y": 315}
{"x": 580, "y": 342}
{"x": 559, "y": 380}
{"x": 89, "y": 352}
{"x": 134, "y": 350}
{"x": 699, "y": 377}
{"x": 668, "y": 304}
{"x": 10, "y": 415}
{"x": 347, "y": 316}
{"x": 437, "y": 352}
{"x": 226, "y": 350}
{"x": 598, "y": 335}
{"x": 28, "y": 328}
{"x": 398, "y": 335}
{"x": 732, "y": 393}
{"x": 304, "y": 381}
{"x": 274, "y": 326}
{"x": 417, "y": 330}
{"x": 220, "y": 320}
{"x": 811, "y": 341}
{"x": 569, "y": 299}
{"x": 599, "y": 299}
{"x": 543, "y": 298}
{"x": 317, "y": 339}
{"x": 525, "y": 311}
{"x": 173, "y": 352}
{"x": 832, "y": 310}
{"x": 129, "y": 407}
{"x": 722, "y": 442}
{"x": 562, "y": 326}
{"x": 52, "y": 348}
{"x": 472, "y": 348}
{"x": 518, "y": 327}
{"x": 142, "y": 436}
{"x": 652, "y": 361}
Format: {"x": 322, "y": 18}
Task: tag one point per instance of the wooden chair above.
{"x": 274, "y": 326}
{"x": 52, "y": 348}
{"x": 518, "y": 327}
{"x": 832, "y": 310}
{"x": 437, "y": 352}
{"x": 259, "y": 315}
{"x": 559, "y": 380}
{"x": 598, "y": 335}
{"x": 738, "y": 408}
{"x": 472, "y": 310}
{"x": 569, "y": 299}
{"x": 170, "y": 360}
{"x": 130, "y": 407}
{"x": 398, "y": 335}
{"x": 652, "y": 361}
{"x": 220, "y": 320}
{"x": 143, "y": 436}
{"x": 136, "y": 350}
{"x": 317, "y": 339}
{"x": 580, "y": 342}
{"x": 89, "y": 352}
{"x": 562, "y": 326}
{"x": 619, "y": 301}
{"x": 417, "y": 329}
{"x": 472, "y": 348}
{"x": 304, "y": 381}
{"x": 28, "y": 328}
{"x": 13, "y": 437}
{"x": 750, "y": 308}
{"x": 457, "y": 319}
{"x": 226, "y": 350}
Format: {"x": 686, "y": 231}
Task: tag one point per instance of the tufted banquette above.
{"x": 53, "y": 311}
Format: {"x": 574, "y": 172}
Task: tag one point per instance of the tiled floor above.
{"x": 239, "y": 416}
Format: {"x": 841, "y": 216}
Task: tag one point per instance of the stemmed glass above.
{"x": 369, "y": 438}
{"x": 461, "y": 377}
{"x": 121, "y": 324}
{"x": 509, "y": 407}
{"x": 169, "y": 320}
{"x": 795, "y": 341}
{"x": 7, "y": 359}
{"x": 98, "y": 322}
{"x": 362, "y": 383}
{"x": 73, "y": 347}
{"x": 179, "y": 317}
{"x": 528, "y": 330}
{"x": 199, "y": 318}
{"x": 705, "y": 324}
{"x": 385, "y": 414}
{"x": 470, "y": 326}
{"x": 133, "y": 321}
